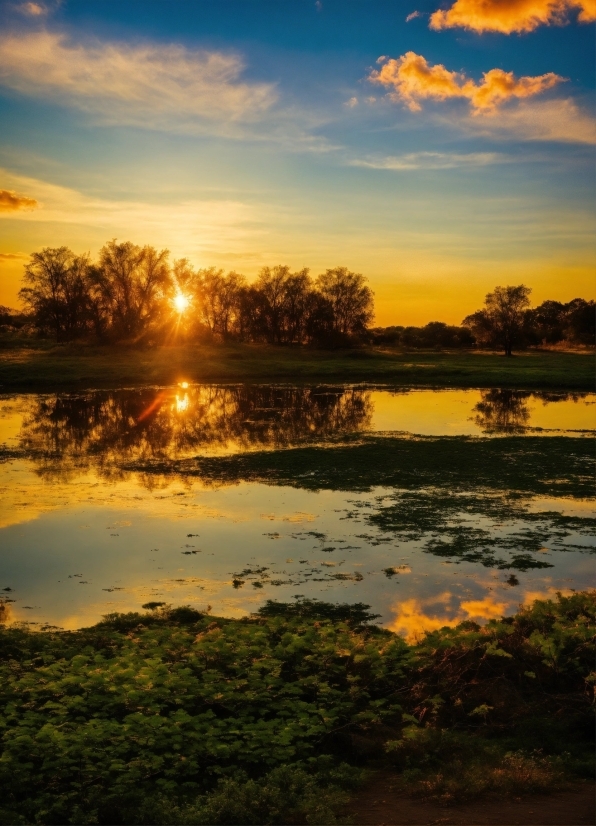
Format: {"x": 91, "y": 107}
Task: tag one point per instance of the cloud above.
{"x": 190, "y": 226}
{"x": 351, "y": 102}
{"x": 431, "y": 160}
{"x": 156, "y": 86}
{"x": 487, "y": 608}
{"x": 508, "y": 16}
{"x": 559, "y": 120}
{"x": 12, "y": 256}
{"x": 11, "y": 202}
{"x": 413, "y": 15}
{"x": 414, "y": 617}
{"x": 412, "y": 79}
{"x": 33, "y": 9}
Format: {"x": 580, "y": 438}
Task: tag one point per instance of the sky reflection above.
{"x": 80, "y": 535}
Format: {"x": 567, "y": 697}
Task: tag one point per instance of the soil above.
{"x": 382, "y": 804}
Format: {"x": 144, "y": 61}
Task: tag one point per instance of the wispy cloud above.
{"x": 12, "y": 256}
{"x": 193, "y": 226}
{"x": 156, "y": 86}
{"x": 430, "y": 160}
{"x": 413, "y": 15}
{"x": 559, "y": 121}
{"x": 508, "y": 16}
{"x": 12, "y": 202}
{"x": 32, "y": 9}
{"x": 412, "y": 79}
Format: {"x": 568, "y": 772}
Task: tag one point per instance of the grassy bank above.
{"x": 174, "y": 716}
{"x": 46, "y": 367}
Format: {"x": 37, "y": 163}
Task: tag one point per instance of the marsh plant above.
{"x": 174, "y": 716}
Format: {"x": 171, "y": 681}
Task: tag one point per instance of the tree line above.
{"x": 506, "y": 322}
{"x": 135, "y": 294}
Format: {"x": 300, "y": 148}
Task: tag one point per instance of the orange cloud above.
{"x": 487, "y": 608}
{"x": 11, "y": 202}
{"x": 415, "y": 617}
{"x": 507, "y": 16}
{"x": 413, "y": 79}
{"x": 10, "y": 256}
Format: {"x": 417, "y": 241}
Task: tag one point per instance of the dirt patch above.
{"x": 382, "y": 803}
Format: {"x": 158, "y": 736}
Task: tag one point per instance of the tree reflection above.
{"x": 502, "y": 411}
{"x": 67, "y": 433}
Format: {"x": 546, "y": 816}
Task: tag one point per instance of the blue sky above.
{"x": 242, "y": 134}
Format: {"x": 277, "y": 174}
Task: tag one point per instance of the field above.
{"x": 44, "y": 366}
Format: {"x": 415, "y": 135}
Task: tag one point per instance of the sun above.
{"x": 180, "y": 302}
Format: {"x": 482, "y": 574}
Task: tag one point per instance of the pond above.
{"x": 432, "y": 506}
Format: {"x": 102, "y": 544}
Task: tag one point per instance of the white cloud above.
{"x": 560, "y": 121}
{"x": 430, "y": 160}
{"x": 155, "y": 86}
{"x": 351, "y": 102}
{"x": 413, "y": 15}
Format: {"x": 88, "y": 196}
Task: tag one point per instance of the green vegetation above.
{"x": 532, "y": 465}
{"x": 173, "y": 716}
{"x": 44, "y": 366}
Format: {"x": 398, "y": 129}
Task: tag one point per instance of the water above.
{"x": 230, "y": 495}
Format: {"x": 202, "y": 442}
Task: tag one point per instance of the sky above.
{"x": 439, "y": 147}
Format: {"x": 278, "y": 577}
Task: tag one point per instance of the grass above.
{"x": 43, "y": 366}
{"x": 176, "y": 717}
{"x": 532, "y": 465}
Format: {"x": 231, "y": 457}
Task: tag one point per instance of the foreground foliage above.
{"x": 173, "y": 716}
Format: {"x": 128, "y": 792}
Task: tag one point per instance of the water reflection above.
{"x": 503, "y": 411}
{"x": 68, "y": 434}
{"x": 65, "y": 433}
{"x": 112, "y": 499}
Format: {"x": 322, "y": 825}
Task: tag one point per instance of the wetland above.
{"x": 432, "y": 506}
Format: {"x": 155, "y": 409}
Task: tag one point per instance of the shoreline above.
{"x": 69, "y": 368}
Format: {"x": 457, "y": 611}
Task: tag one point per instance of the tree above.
{"x": 351, "y": 300}
{"x": 284, "y": 303}
{"x": 580, "y": 321}
{"x": 502, "y": 321}
{"x": 56, "y": 293}
{"x": 217, "y": 298}
{"x": 130, "y": 288}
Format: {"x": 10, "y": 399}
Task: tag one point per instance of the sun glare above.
{"x": 181, "y": 302}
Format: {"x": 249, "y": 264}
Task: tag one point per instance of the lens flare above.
{"x": 181, "y": 302}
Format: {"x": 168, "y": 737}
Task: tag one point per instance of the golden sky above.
{"x": 437, "y": 151}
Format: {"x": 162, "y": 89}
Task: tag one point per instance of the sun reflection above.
{"x": 180, "y": 302}
{"x": 181, "y": 403}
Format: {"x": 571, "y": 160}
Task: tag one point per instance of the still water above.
{"x": 230, "y": 495}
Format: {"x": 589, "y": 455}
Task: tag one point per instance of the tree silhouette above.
{"x": 501, "y": 322}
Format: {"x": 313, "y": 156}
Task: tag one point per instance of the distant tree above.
{"x": 56, "y": 292}
{"x": 217, "y": 300}
{"x": 553, "y": 322}
{"x": 502, "y": 320}
{"x": 580, "y": 321}
{"x": 130, "y": 288}
{"x": 547, "y": 322}
{"x": 11, "y": 319}
{"x": 351, "y": 300}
